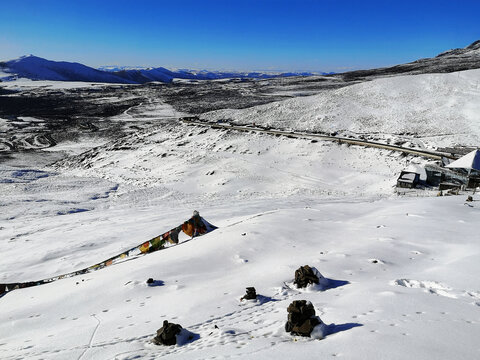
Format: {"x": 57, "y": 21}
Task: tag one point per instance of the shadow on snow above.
{"x": 336, "y": 328}
{"x": 332, "y": 284}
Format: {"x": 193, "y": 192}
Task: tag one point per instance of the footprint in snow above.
{"x": 239, "y": 259}
{"x": 473, "y": 294}
{"x": 376, "y": 261}
{"x": 414, "y": 215}
{"x": 431, "y": 287}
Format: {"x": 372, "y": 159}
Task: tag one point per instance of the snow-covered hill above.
{"x": 199, "y": 165}
{"x": 36, "y": 68}
{"x": 443, "y": 109}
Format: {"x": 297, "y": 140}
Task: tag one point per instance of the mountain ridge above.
{"x": 37, "y": 68}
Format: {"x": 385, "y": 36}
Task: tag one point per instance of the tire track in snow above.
{"x": 307, "y": 178}
{"x": 91, "y": 338}
{"x": 253, "y": 217}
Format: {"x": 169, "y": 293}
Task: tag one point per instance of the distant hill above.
{"x": 36, "y": 68}
{"x": 466, "y": 58}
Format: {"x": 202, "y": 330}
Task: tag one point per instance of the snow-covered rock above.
{"x": 319, "y": 331}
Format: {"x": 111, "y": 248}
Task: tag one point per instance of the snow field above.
{"x": 199, "y": 164}
{"x": 112, "y": 313}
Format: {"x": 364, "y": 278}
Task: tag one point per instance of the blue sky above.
{"x": 322, "y": 35}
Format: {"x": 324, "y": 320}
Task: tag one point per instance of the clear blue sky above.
{"x": 322, "y": 35}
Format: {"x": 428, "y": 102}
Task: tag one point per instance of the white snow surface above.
{"x": 201, "y": 164}
{"x": 401, "y": 272}
{"x": 27, "y": 84}
{"x": 417, "y": 169}
{"x": 370, "y": 311}
{"x": 439, "y": 108}
{"x": 319, "y": 331}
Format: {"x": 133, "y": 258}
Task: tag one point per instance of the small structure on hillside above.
{"x": 471, "y": 164}
{"x": 459, "y": 174}
{"x": 444, "y": 178}
{"x": 408, "y": 180}
{"x": 412, "y": 176}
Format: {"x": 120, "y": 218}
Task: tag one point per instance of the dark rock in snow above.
{"x": 166, "y": 335}
{"x": 304, "y": 276}
{"x": 301, "y": 318}
{"x": 251, "y": 294}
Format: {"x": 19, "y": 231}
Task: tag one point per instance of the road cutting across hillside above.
{"x": 435, "y": 155}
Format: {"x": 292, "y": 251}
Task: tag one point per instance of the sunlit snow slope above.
{"x": 443, "y": 106}
{"x": 402, "y": 270}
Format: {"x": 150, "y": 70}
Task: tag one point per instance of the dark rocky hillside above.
{"x": 453, "y": 60}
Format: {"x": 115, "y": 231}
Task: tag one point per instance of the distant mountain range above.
{"x": 36, "y": 68}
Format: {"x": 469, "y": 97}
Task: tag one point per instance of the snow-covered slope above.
{"x": 427, "y": 105}
{"x": 402, "y": 274}
{"x": 199, "y": 165}
{"x": 114, "y": 68}
{"x": 471, "y": 50}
